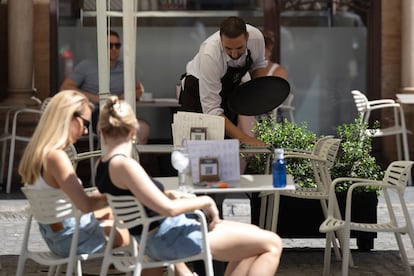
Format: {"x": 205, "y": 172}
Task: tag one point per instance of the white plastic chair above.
{"x": 75, "y": 157}
{"x": 48, "y": 206}
{"x": 13, "y": 137}
{"x": 6, "y": 135}
{"x": 129, "y": 212}
{"x": 399, "y": 129}
{"x": 285, "y": 108}
{"x": 16, "y": 137}
{"x": 395, "y": 181}
{"x": 322, "y": 159}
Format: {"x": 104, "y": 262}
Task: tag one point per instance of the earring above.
{"x": 134, "y": 140}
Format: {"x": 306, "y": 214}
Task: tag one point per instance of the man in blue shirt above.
{"x": 84, "y": 78}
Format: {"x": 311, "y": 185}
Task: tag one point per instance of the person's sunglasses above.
{"x": 86, "y": 123}
{"x": 116, "y": 45}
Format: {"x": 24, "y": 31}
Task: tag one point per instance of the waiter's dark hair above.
{"x": 233, "y": 27}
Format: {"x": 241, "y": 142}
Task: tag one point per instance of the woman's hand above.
{"x": 212, "y": 213}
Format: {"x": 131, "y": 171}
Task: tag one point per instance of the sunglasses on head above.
{"x": 116, "y": 45}
{"x": 85, "y": 122}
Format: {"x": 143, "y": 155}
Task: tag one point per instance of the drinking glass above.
{"x": 180, "y": 161}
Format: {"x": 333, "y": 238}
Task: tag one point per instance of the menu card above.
{"x": 226, "y": 151}
{"x": 183, "y": 122}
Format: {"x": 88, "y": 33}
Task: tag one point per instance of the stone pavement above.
{"x": 300, "y": 256}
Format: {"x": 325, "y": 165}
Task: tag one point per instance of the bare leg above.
{"x": 248, "y": 249}
{"x": 181, "y": 269}
{"x": 106, "y": 217}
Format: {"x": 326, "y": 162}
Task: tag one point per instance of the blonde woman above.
{"x": 248, "y": 249}
{"x": 45, "y": 165}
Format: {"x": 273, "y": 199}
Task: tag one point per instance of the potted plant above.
{"x": 354, "y": 159}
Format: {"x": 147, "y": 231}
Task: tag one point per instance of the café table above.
{"x": 248, "y": 183}
{"x": 407, "y": 98}
{"x": 159, "y": 102}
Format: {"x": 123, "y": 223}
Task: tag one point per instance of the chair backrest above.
{"x": 361, "y": 101}
{"x": 49, "y": 205}
{"x": 362, "y": 105}
{"x": 329, "y": 150}
{"x": 45, "y": 103}
{"x": 72, "y": 153}
{"x": 319, "y": 143}
{"x": 128, "y": 211}
{"x": 398, "y": 173}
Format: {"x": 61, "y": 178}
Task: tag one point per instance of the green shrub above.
{"x": 285, "y": 135}
{"x": 354, "y": 157}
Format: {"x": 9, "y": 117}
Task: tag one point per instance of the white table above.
{"x": 406, "y": 98}
{"x": 248, "y": 183}
{"x": 161, "y": 102}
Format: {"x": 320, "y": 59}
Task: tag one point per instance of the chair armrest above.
{"x": 381, "y": 101}
{"x": 389, "y": 105}
{"x": 295, "y": 151}
{"x": 348, "y": 206}
{"x": 356, "y": 182}
{"x": 304, "y": 156}
{"x": 88, "y": 154}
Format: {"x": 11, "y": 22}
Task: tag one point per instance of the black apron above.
{"x": 190, "y": 95}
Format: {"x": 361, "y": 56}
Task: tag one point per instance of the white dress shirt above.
{"x": 211, "y": 62}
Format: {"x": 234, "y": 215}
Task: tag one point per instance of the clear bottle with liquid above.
{"x": 279, "y": 169}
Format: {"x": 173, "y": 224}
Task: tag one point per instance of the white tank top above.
{"x": 272, "y": 69}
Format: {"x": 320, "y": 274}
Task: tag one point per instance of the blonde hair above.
{"x": 52, "y": 131}
{"x": 116, "y": 118}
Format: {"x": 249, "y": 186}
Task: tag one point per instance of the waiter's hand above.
{"x": 251, "y": 141}
{"x": 139, "y": 90}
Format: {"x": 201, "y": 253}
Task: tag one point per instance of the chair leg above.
{"x": 324, "y": 206}
{"x": 10, "y": 168}
{"x": 345, "y": 253}
{"x": 403, "y": 254}
{"x": 171, "y": 270}
{"x": 3, "y": 161}
{"x": 78, "y": 268}
{"x": 20, "y": 265}
{"x": 91, "y": 160}
{"x": 263, "y": 210}
{"x": 275, "y": 217}
{"x": 327, "y": 255}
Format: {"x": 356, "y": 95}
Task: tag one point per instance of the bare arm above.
{"x": 70, "y": 84}
{"x": 236, "y": 133}
{"x": 281, "y": 72}
{"x": 59, "y": 173}
{"x": 127, "y": 173}
{"x": 259, "y": 72}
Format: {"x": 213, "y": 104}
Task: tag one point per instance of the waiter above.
{"x": 217, "y": 69}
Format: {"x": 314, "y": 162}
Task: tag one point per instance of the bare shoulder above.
{"x": 281, "y": 71}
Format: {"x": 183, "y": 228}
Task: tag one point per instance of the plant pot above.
{"x": 301, "y": 218}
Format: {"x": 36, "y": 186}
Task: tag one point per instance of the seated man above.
{"x": 84, "y": 78}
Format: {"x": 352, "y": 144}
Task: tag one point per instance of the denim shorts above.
{"x": 176, "y": 237}
{"x": 91, "y": 240}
